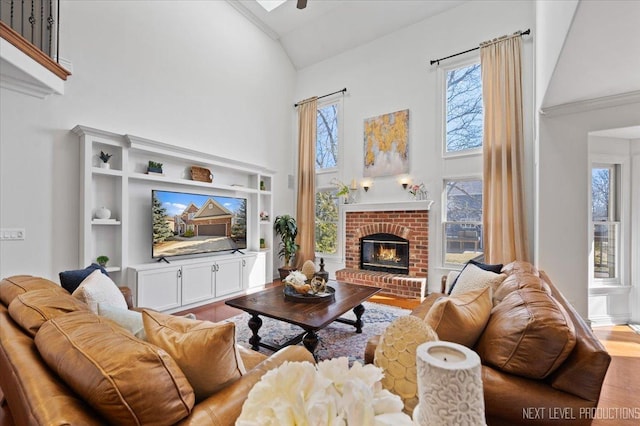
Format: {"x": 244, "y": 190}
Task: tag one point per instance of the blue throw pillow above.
{"x": 70, "y": 280}
{"x": 486, "y": 266}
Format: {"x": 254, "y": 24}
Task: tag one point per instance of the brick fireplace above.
{"x": 408, "y": 221}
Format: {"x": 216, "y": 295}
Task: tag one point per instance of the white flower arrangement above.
{"x": 295, "y": 278}
{"x": 329, "y": 393}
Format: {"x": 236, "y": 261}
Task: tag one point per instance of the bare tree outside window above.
{"x": 326, "y": 221}
{"x": 464, "y": 114}
{"x": 327, "y": 137}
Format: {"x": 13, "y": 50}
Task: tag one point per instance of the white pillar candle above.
{"x": 449, "y": 385}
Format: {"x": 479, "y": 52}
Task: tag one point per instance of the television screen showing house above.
{"x": 187, "y": 224}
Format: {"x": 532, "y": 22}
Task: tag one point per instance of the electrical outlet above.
{"x": 13, "y": 234}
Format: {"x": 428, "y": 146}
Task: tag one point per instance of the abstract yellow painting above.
{"x": 386, "y": 144}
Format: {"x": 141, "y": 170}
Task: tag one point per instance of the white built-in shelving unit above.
{"x": 124, "y": 188}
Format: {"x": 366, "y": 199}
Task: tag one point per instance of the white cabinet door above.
{"x": 159, "y": 289}
{"x": 197, "y": 283}
{"x": 228, "y": 277}
{"x": 254, "y": 271}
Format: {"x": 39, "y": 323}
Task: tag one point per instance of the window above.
{"x": 327, "y": 137}
{"x": 327, "y": 149}
{"x": 326, "y": 222}
{"x": 606, "y": 223}
{"x": 463, "y": 117}
{"x": 462, "y": 224}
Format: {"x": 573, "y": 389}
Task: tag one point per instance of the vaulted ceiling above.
{"x": 600, "y": 56}
{"x": 326, "y": 28}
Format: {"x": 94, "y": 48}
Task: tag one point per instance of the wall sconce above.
{"x": 366, "y": 185}
{"x": 404, "y": 182}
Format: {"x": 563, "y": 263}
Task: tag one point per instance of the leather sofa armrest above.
{"x": 128, "y": 296}
{"x": 224, "y": 407}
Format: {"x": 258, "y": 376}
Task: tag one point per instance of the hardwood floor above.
{"x": 621, "y": 389}
{"x": 619, "y": 393}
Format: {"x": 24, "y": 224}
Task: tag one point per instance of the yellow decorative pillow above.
{"x": 127, "y": 380}
{"x": 32, "y": 309}
{"x": 461, "y": 318}
{"x": 396, "y": 355}
{"x": 205, "y": 351}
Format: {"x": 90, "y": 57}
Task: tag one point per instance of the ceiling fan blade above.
{"x": 302, "y": 4}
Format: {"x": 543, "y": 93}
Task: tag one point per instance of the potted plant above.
{"x": 287, "y": 228}
{"x": 154, "y": 167}
{"x": 102, "y": 260}
{"x": 105, "y": 159}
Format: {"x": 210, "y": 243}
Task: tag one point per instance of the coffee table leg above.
{"x": 254, "y": 324}
{"x": 310, "y": 341}
{"x": 358, "y": 310}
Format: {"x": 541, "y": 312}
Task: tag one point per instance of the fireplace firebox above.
{"x": 385, "y": 253}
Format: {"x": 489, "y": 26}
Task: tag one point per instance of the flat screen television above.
{"x": 192, "y": 224}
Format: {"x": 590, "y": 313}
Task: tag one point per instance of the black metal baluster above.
{"x": 42, "y": 24}
{"x": 22, "y": 18}
{"x": 50, "y": 26}
{"x": 32, "y": 21}
{"x": 58, "y": 34}
{"x": 11, "y": 14}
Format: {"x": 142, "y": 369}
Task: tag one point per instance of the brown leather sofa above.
{"x": 566, "y": 396}
{"x": 37, "y": 396}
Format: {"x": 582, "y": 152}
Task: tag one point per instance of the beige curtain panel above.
{"x": 305, "y": 214}
{"x": 504, "y": 221}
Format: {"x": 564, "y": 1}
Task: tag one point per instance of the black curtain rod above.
{"x": 437, "y": 61}
{"x": 324, "y": 96}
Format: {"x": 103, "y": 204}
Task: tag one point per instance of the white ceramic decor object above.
{"x": 449, "y": 385}
{"x": 103, "y": 213}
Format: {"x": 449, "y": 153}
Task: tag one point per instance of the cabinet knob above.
{"x": 244, "y": 263}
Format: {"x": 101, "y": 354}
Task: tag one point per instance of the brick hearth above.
{"x": 412, "y": 225}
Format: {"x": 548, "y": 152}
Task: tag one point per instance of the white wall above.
{"x": 562, "y": 246}
{"x": 553, "y": 20}
{"x": 635, "y": 232}
{"x": 189, "y": 73}
{"x": 393, "y": 73}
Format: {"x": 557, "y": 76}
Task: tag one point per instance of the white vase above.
{"x": 104, "y": 165}
{"x": 103, "y": 213}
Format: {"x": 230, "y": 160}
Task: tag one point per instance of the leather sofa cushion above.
{"x": 518, "y": 281}
{"x": 519, "y": 266}
{"x": 396, "y": 356}
{"x": 127, "y": 380}
{"x": 529, "y": 334}
{"x": 462, "y": 318}
{"x": 12, "y": 287}
{"x": 205, "y": 351}
{"x": 32, "y": 309}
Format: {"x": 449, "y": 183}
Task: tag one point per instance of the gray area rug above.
{"x": 336, "y": 340}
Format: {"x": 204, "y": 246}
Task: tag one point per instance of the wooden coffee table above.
{"x": 311, "y": 317}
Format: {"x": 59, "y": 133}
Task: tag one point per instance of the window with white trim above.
{"x": 463, "y": 109}
{"x": 462, "y": 220}
{"x": 327, "y": 158}
{"x": 605, "y": 223}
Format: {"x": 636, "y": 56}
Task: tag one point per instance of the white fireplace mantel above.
{"x": 387, "y": 206}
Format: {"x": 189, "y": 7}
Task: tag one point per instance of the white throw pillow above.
{"x": 131, "y": 320}
{"x": 475, "y": 278}
{"x": 98, "y": 288}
